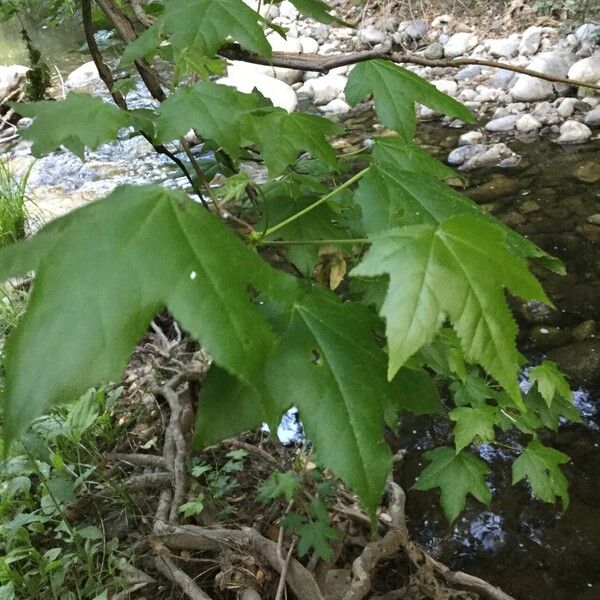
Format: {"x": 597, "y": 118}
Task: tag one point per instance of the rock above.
{"x": 530, "y": 89}
{"x": 416, "y": 29}
{"x": 288, "y": 10}
{"x": 11, "y": 77}
{"x": 469, "y": 138}
{"x": 590, "y": 232}
{"x": 527, "y": 124}
{"x": 293, "y": 45}
{"x": 584, "y": 330}
{"x": 238, "y": 67}
{"x": 502, "y": 79}
{"x": 434, "y": 51}
{"x": 594, "y": 219}
{"x": 446, "y": 86}
{"x": 326, "y": 88}
{"x": 371, "y": 35}
{"x": 580, "y": 361}
{"x": 588, "y": 172}
{"x": 503, "y": 48}
{"x": 536, "y": 313}
{"x": 529, "y": 206}
{"x": 309, "y": 45}
{"x": 468, "y": 73}
{"x": 574, "y": 132}
{"x": 278, "y": 92}
{"x": 567, "y": 107}
{"x": 546, "y": 337}
{"x": 496, "y": 188}
{"x": 502, "y": 124}
{"x": 530, "y": 40}
{"x": 336, "y": 107}
{"x": 592, "y": 119}
{"x": 586, "y": 70}
{"x": 83, "y": 77}
{"x": 513, "y": 218}
{"x": 546, "y": 114}
{"x": 460, "y": 155}
{"x": 482, "y": 155}
{"x": 459, "y": 43}
{"x": 588, "y": 32}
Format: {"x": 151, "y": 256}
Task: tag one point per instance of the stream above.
{"x": 529, "y": 548}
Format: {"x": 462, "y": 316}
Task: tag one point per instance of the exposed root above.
{"x": 172, "y": 572}
{"x": 147, "y": 481}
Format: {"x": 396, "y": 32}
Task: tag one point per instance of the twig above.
{"x": 142, "y": 460}
{"x": 284, "y": 570}
{"x": 322, "y": 64}
{"x": 62, "y": 83}
{"x": 257, "y": 450}
{"x": 171, "y": 571}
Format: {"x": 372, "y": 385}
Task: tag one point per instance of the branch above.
{"x": 171, "y": 571}
{"x": 322, "y": 64}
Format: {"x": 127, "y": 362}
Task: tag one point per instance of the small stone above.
{"x": 574, "y": 132}
{"x": 546, "y": 337}
{"x": 567, "y": 107}
{"x": 530, "y": 40}
{"x": 470, "y": 137}
{"x": 502, "y": 124}
{"x": 417, "y": 29}
{"x": 371, "y": 35}
{"x": 590, "y": 232}
{"x": 499, "y": 187}
{"x": 586, "y": 70}
{"x": 595, "y": 219}
{"x": 527, "y": 124}
{"x": 434, "y": 51}
{"x": 336, "y": 107}
{"x": 503, "y": 48}
{"x": 580, "y": 361}
{"x": 513, "y": 218}
{"x": 468, "y": 73}
{"x": 446, "y": 86}
{"x": 585, "y": 330}
{"x": 588, "y": 172}
{"x": 529, "y": 206}
{"x": 459, "y": 43}
{"x": 592, "y": 119}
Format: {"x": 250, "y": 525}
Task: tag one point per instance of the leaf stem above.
{"x": 314, "y": 205}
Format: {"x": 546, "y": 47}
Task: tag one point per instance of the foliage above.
{"x": 416, "y": 302}
{"x": 13, "y": 213}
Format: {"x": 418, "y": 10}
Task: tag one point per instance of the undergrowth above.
{"x": 13, "y": 213}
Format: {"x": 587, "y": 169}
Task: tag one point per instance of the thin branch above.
{"x": 171, "y": 571}
{"x": 142, "y": 460}
{"x": 140, "y": 14}
{"x": 322, "y": 64}
{"x": 284, "y": 570}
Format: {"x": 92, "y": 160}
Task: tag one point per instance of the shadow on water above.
{"x": 529, "y": 548}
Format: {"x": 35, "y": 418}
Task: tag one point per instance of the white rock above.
{"x": 288, "y": 10}
{"x": 546, "y": 114}
{"x": 495, "y": 155}
{"x": 587, "y": 69}
{"x": 468, "y": 94}
{"x": 11, "y": 77}
{"x": 416, "y": 29}
{"x": 574, "y": 132}
{"x": 502, "y": 124}
{"x": 290, "y": 44}
{"x": 336, "y": 107}
{"x": 446, "y": 86}
{"x": 309, "y": 45}
{"x": 371, "y": 35}
{"x": 527, "y": 124}
{"x": 588, "y": 32}
{"x": 567, "y": 107}
{"x": 238, "y": 66}
{"x": 326, "y": 88}
{"x": 470, "y": 138}
{"x": 278, "y": 92}
{"x": 592, "y": 119}
{"x": 82, "y": 77}
{"x": 503, "y": 47}
{"x": 459, "y": 43}
{"x": 530, "y": 41}
{"x": 434, "y": 51}
{"x": 530, "y": 89}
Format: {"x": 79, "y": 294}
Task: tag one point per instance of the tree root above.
{"x": 172, "y": 572}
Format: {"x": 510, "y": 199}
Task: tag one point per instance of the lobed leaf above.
{"x": 550, "y": 381}
{"x": 473, "y": 423}
{"x": 459, "y": 271}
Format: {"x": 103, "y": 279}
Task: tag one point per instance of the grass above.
{"x": 13, "y": 213}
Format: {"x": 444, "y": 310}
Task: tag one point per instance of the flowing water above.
{"x": 529, "y": 548}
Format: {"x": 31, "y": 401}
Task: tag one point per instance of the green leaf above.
{"x": 279, "y": 484}
{"x": 193, "y": 61}
{"x": 550, "y": 415}
{"x": 328, "y": 366}
{"x": 473, "y": 423}
{"x": 213, "y": 111}
{"x": 79, "y": 121}
{"x": 104, "y": 271}
{"x": 457, "y": 475}
{"x": 395, "y": 91}
{"x": 409, "y": 156}
{"x": 550, "y": 381}
{"x": 474, "y": 390}
{"x": 144, "y": 46}
{"x": 539, "y": 464}
{"x": 318, "y": 10}
{"x": 192, "y": 508}
{"x": 390, "y": 197}
{"x": 280, "y": 137}
{"x": 458, "y": 270}
{"x": 208, "y": 24}
{"x": 416, "y": 392}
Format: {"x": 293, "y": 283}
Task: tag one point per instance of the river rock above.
{"x": 434, "y": 51}
{"x": 546, "y": 114}
{"x": 567, "y": 107}
{"x": 326, "y": 88}
{"x": 531, "y": 89}
{"x": 288, "y": 10}
{"x": 502, "y": 124}
{"x": 527, "y": 124}
{"x": 502, "y": 79}
{"x": 592, "y": 119}
{"x": 83, "y": 77}
{"x": 470, "y": 137}
{"x": 535, "y": 312}
{"x": 459, "y": 43}
{"x": 336, "y": 107}
{"x": 238, "y": 67}
{"x": 586, "y": 70}
{"x": 588, "y": 33}
{"x": 292, "y": 45}
{"x": 11, "y": 77}
{"x": 584, "y": 330}
{"x": 468, "y": 73}
{"x": 416, "y": 29}
{"x": 590, "y": 232}
{"x": 530, "y": 40}
{"x": 546, "y": 337}
{"x": 574, "y": 132}
{"x": 498, "y": 187}
{"x": 371, "y": 35}
{"x": 309, "y": 45}
{"x": 446, "y": 86}
{"x": 482, "y": 155}
{"x": 503, "y": 48}
{"x": 580, "y": 361}
{"x": 278, "y": 92}
{"x": 589, "y": 171}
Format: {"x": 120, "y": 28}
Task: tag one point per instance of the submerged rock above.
{"x": 574, "y": 132}
{"x": 580, "y": 361}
